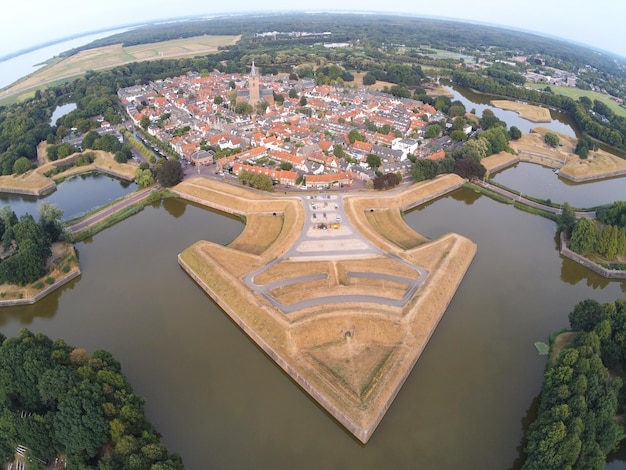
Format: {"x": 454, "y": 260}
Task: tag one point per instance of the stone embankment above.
{"x": 586, "y": 262}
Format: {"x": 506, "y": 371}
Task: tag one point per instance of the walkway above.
{"x": 320, "y": 241}
{"x": 527, "y": 202}
{"x": 112, "y": 209}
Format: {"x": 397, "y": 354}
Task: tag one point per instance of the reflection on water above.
{"x": 481, "y": 101}
{"x": 211, "y": 391}
{"x": 543, "y": 183}
{"x": 75, "y": 196}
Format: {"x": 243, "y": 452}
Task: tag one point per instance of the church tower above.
{"x": 253, "y": 85}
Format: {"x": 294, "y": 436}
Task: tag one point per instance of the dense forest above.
{"x": 580, "y": 417}
{"x": 59, "y": 401}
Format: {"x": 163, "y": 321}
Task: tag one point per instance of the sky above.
{"x": 597, "y": 23}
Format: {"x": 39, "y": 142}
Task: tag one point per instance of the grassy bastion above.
{"x": 352, "y": 351}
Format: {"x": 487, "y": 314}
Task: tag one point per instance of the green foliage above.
{"x": 515, "y": 133}
{"x": 613, "y": 214}
{"x": 432, "y": 131}
{"x": 256, "y": 180}
{"x": 144, "y": 178}
{"x": 584, "y": 237}
{"x": 170, "y": 173}
{"x": 551, "y": 139}
{"x": 575, "y": 426}
{"x": 57, "y": 399}
{"x": 32, "y": 243}
{"x": 373, "y": 161}
{"x": 21, "y": 165}
{"x": 369, "y": 79}
{"x": 567, "y": 220}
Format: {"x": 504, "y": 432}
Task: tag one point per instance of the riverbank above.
{"x": 351, "y": 353}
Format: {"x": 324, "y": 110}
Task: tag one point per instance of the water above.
{"x": 76, "y": 196}
{"x": 19, "y": 66}
{"x": 211, "y": 392}
{"x": 543, "y": 183}
{"x": 480, "y": 101}
{"x": 61, "y": 111}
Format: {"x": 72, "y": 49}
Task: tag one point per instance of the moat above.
{"x": 210, "y": 390}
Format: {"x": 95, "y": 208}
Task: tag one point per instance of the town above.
{"x": 304, "y": 134}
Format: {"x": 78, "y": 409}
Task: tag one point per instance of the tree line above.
{"x": 582, "y": 396}
{"x": 612, "y": 131}
{"x": 57, "y": 400}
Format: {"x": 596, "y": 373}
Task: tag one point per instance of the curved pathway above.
{"x": 318, "y": 240}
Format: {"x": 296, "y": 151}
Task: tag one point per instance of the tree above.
{"x": 21, "y": 165}
{"x": 586, "y": 315}
{"x": 243, "y": 108}
{"x": 144, "y": 122}
{"x": 551, "y": 139}
{"x": 584, "y": 237}
{"x": 144, "y": 178}
{"x": 567, "y": 220}
{"x": 515, "y": 133}
{"x": 355, "y": 135}
{"x": 293, "y": 94}
{"x": 51, "y": 220}
{"x": 369, "y": 79}
{"x": 608, "y": 245}
{"x": 303, "y": 101}
{"x": 170, "y": 173}
{"x": 218, "y": 100}
{"x": 432, "y": 131}
{"x": 469, "y": 168}
{"x": 338, "y": 151}
{"x": 373, "y": 161}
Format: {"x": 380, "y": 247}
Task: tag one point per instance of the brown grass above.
{"x": 351, "y": 357}
{"x": 289, "y": 269}
{"x": 260, "y": 232}
{"x": 389, "y": 224}
{"x": 532, "y": 148}
{"x": 527, "y": 111}
{"x": 499, "y": 160}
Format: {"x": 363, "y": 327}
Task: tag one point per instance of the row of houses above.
{"x": 202, "y": 107}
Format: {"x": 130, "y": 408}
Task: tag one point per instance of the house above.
{"x": 327, "y": 180}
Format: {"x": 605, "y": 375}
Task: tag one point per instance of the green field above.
{"x": 576, "y": 93}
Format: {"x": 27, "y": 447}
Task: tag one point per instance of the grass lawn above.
{"x": 576, "y": 93}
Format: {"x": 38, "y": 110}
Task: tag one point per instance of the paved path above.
{"x": 321, "y": 244}
{"x": 528, "y": 202}
{"x": 110, "y": 210}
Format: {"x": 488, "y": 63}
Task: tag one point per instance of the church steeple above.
{"x": 253, "y": 86}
